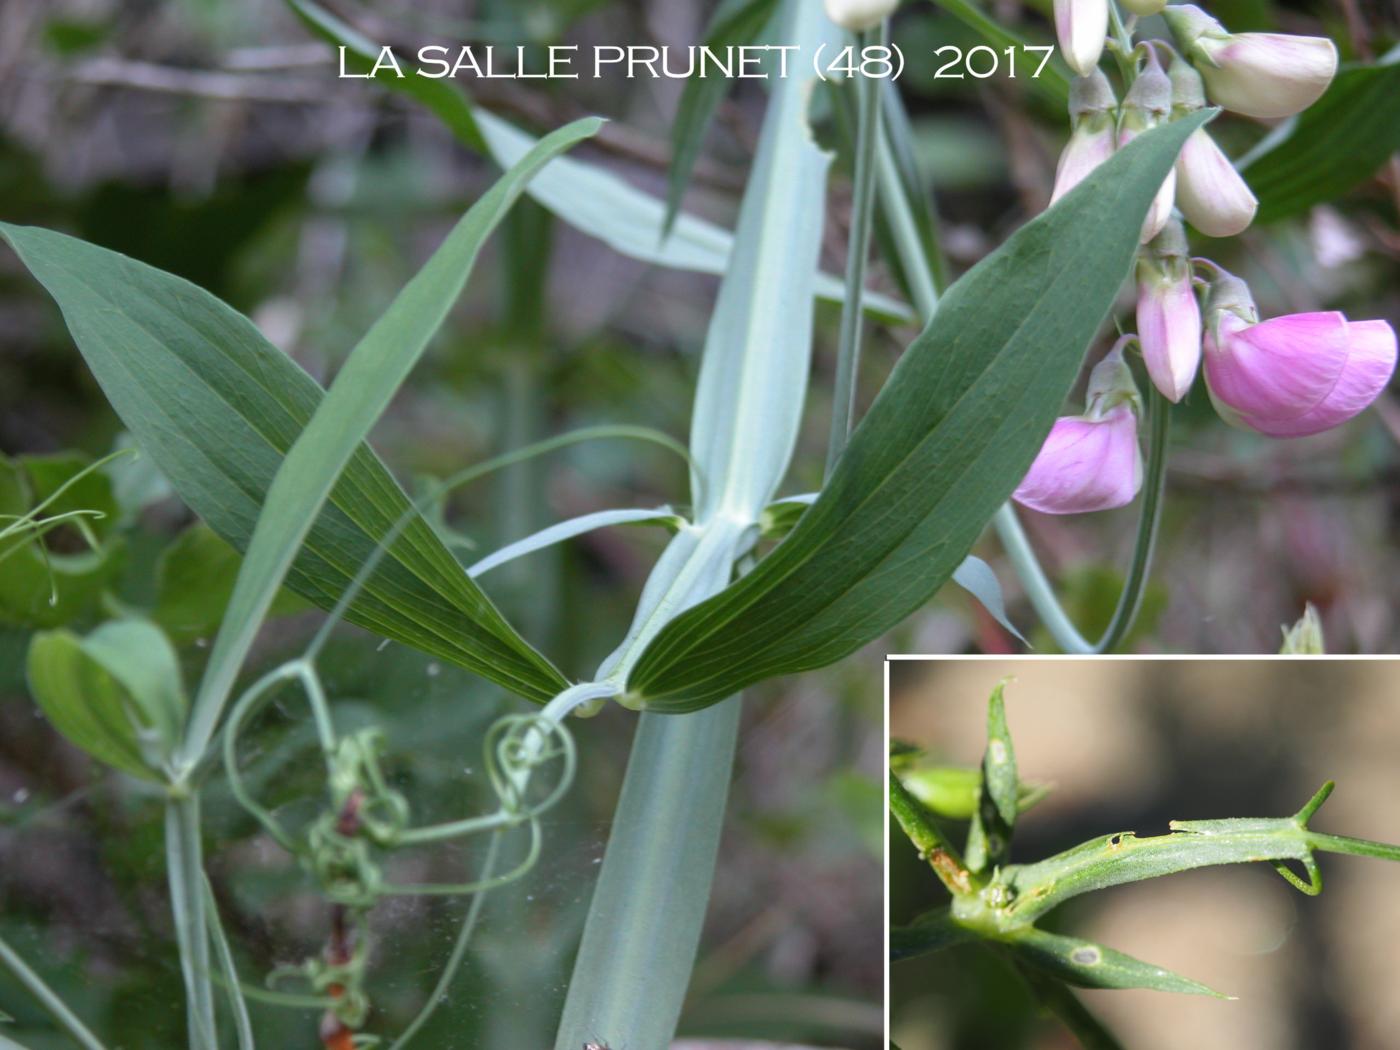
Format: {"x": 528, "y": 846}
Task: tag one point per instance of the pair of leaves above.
{"x": 1335, "y": 143}
{"x": 219, "y": 409}
{"x": 946, "y": 442}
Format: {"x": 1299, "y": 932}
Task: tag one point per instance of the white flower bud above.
{"x": 1257, "y": 74}
{"x": 1209, "y": 191}
{"x": 1081, "y": 26}
{"x": 859, "y": 15}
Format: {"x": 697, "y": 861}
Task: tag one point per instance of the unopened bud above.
{"x": 1081, "y": 26}
{"x": 1168, "y": 316}
{"x": 1257, "y": 74}
{"x": 1304, "y": 638}
{"x": 1210, "y": 192}
{"x": 859, "y": 15}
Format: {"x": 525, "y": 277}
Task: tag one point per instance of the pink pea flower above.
{"x": 1298, "y": 374}
{"x": 1168, "y": 316}
{"x": 1081, "y": 26}
{"x": 1090, "y": 462}
{"x": 1092, "y": 112}
{"x": 1257, "y": 74}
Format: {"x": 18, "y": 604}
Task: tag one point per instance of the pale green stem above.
{"x": 857, "y": 253}
{"x": 185, "y": 872}
{"x": 56, "y": 1007}
{"x": 643, "y": 926}
{"x": 243, "y": 1024}
{"x": 906, "y": 239}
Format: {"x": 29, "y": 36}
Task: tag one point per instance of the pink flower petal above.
{"x": 1169, "y": 329}
{"x": 1274, "y": 372}
{"x": 1369, "y": 367}
{"x": 1085, "y": 465}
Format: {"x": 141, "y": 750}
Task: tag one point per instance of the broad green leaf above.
{"x": 734, "y": 23}
{"x": 974, "y": 575}
{"x": 362, "y": 390}
{"x": 1338, "y": 141}
{"x": 947, "y": 440}
{"x": 586, "y": 196}
{"x": 218, "y": 408}
{"x": 117, "y": 693}
{"x": 194, "y": 580}
{"x": 1088, "y": 965}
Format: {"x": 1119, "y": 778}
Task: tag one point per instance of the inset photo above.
{"x": 1143, "y": 853}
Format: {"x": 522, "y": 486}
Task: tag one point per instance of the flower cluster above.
{"x": 1287, "y": 376}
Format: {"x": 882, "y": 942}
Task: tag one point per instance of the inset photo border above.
{"x": 1143, "y": 852}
